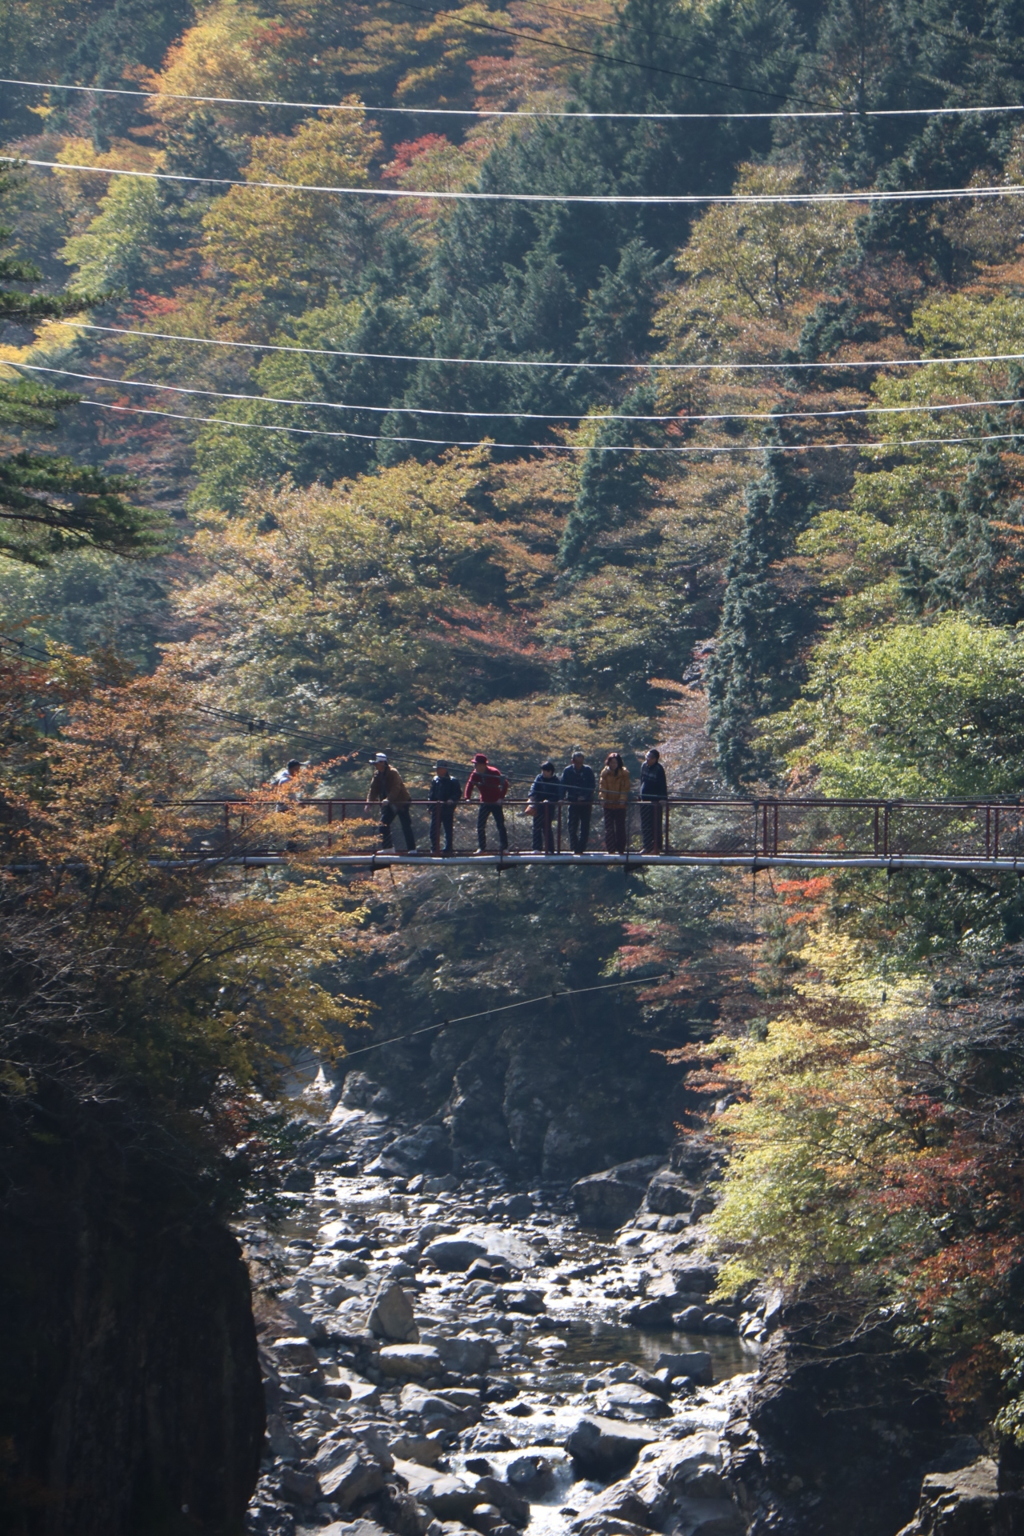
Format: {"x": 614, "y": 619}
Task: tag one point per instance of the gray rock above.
{"x": 695, "y": 1279}
{"x": 465, "y": 1353}
{"x": 416, "y": 1360}
{"x": 964, "y": 1502}
{"x": 608, "y": 1199}
{"x": 530, "y": 1474}
{"x": 602, "y": 1447}
{"x": 391, "y": 1316}
{"x": 668, "y": 1194}
{"x": 690, "y": 1319}
{"x": 619, "y": 1502}
{"x": 449, "y": 1497}
{"x": 627, "y": 1398}
{"x": 353, "y": 1528}
{"x": 513, "y": 1506}
{"x": 696, "y": 1365}
{"x": 294, "y": 1354}
{"x": 454, "y": 1254}
{"x": 300, "y": 1487}
{"x": 608, "y": 1525}
{"x": 346, "y": 1471}
{"x": 519, "y": 1299}
{"x": 280, "y": 1438}
{"x": 718, "y": 1322}
{"x": 418, "y": 1448}
{"x": 708, "y": 1517}
{"x": 427, "y": 1149}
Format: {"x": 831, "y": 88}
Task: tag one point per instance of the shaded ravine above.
{"x": 498, "y": 1333}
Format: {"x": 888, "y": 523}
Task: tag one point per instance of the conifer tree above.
{"x": 754, "y": 670}
{"x": 612, "y": 485}
{"x": 47, "y": 501}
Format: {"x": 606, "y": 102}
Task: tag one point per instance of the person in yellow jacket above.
{"x": 614, "y": 791}
{"x": 388, "y": 790}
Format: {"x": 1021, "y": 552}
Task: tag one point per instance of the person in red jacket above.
{"x": 492, "y": 786}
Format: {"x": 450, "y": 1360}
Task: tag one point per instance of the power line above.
{"x": 517, "y": 362}
{"x": 680, "y": 200}
{"x": 590, "y": 53}
{"x": 588, "y": 416}
{"x": 443, "y": 442}
{"x": 488, "y": 112}
{"x": 525, "y": 1002}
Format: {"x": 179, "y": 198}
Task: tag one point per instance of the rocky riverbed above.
{"x": 448, "y": 1355}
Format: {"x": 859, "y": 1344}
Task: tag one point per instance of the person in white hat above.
{"x": 387, "y": 789}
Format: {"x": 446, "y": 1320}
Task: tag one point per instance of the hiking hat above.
{"x": 481, "y": 757}
{"x": 381, "y": 757}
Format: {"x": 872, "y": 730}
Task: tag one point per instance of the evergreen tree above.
{"x": 48, "y": 502}
{"x": 612, "y": 485}
{"x": 754, "y": 670}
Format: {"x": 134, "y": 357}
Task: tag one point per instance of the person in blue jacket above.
{"x": 545, "y": 793}
{"x": 445, "y": 794}
{"x": 578, "y": 786}
{"x": 653, "y": 794}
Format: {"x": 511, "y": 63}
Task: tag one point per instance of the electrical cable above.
{"x": 516, "y": 362}
{"x": 486, "y": 1013}
{"x": 590, "y": 53}
{"x": 588, "y": 416}
{"x": 488, "y": 112}
{"x": 645, "y": 200}
{"x": 444, "y": 442}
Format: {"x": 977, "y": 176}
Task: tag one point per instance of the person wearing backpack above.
{"x": 653, "y": 794}
{"x": 492, "y": 786}
{"x": 545, "y": 793}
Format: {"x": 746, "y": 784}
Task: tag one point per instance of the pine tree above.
{"x": 612, "y": 485}
{"x": 48, "y": 502}
{"x": 754, "y": 670}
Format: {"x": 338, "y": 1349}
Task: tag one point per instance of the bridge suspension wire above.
{"x": 593, "y": 417}
{"x": 689, "y": 449}
{"x": 524, "y": 112}
{"x": 647, "y": 200}
{"x": 517, "y": 362}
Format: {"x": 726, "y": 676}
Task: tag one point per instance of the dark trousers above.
{"x": 579, "y": 825}
{"x": 652, "y": 818}
{"x": 615, "y": 828}
{"x": 482, "y": 814}
{"x": 545, "y": 819}
{"x": 387, "y": 816}
{"x": 442, "y": 819}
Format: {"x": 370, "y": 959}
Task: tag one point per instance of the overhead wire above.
{"x": 648, "y": 200}
{"x": 595, "y": 417}
{"x": 517, "y": 362}
{"x": 497, "y": 112}
{"x": 524, "y": 1002}
{"x": 690, "y": 449}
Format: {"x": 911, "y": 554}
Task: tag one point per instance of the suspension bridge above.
{"x": 754, "y": 834}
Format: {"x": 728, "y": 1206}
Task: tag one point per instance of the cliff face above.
{"x": 130, "y": 1396}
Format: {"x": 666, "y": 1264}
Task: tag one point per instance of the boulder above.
{"x": 353, "y": 1528}
{"x": 465, "y": 1353}
{"x": 346, "y": 1471}
{"x": 448, "y": 1497}
{"x": 427, "y": 1149}
{"x": 696, "y": 1365}
{"x": 519, "y": 1299}
{"x": 391, "y": 1316}
{"x": 513, "y": 1506}
{"x": 602, "y": 1447}
{"x": 668, "y": 1194}
{"x": 416, "y": 1360}
{"x": 625, "y": 1397}
{"x": 708, "y": 1517}
{"x": 694, "y": 1279}
{"x": 609, "y": 1199}
{"x": 531, "y": 1474}
{"x": 607, "y": 1525}
{"x": 453, "y": 1254}
{"x": 300, "y": 1487}
{"x": 620, "y": 1503}
{"x": 966, "y": 1502}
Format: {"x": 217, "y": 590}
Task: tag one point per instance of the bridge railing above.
{"x": 761, "y": 827}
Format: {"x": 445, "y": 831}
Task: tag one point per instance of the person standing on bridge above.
{"x": 445, "y": 794}
{"x": 653, "y": 794}
{"x": 545, "y": 793}
{"x": 492, "y": 787}
{"x": 614, "y": 786}
{"x": 388, "y": 790}
{"x": 578, "y": 786}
